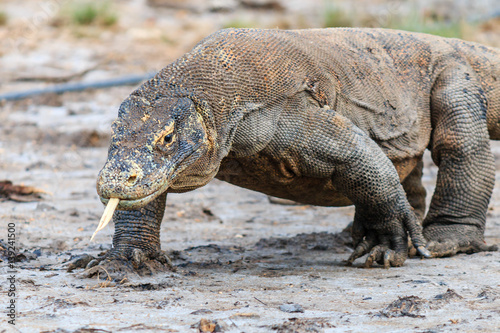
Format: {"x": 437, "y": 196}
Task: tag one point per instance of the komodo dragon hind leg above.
{"x": 136, "y": 245}
{"x": 461, "y": 149}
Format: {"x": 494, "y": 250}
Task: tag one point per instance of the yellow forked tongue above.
{"x": 107, "y": 215}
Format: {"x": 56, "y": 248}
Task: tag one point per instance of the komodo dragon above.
{"x": 327, "y": 117}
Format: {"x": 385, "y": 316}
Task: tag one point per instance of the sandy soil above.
{"x": 244, "y": 264}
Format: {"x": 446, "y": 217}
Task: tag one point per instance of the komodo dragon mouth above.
{"x": 113, "y": 203}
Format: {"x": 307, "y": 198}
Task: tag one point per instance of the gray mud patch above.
{"x": 269, "y": 256}
{"x": 317, "y": 241}
{"x": 266, "y": 258}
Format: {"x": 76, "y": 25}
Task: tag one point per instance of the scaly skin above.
{"x": 328, "y": 117}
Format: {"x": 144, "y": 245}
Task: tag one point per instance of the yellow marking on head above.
{"x": 163, "y": 133}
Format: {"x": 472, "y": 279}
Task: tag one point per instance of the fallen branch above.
{"x": 79, "y": 86}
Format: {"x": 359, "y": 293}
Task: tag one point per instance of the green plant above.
{"x": 92, "y": 12}
{"x": 109, "y": 20}
{"x": 334, "y": 17}
{"x": 84, "y": 13}
{"x": 3, "y": 18}
{"x": 429, "y": 25}
{"x": 239, "y": 23}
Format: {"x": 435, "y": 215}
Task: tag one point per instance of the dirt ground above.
{"x": 244, "y": 264}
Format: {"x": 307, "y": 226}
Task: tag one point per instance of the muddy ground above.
{"x": 244, "y": 264}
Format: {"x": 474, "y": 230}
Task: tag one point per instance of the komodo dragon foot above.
{"x": 449, "y": 239}
{"x": 116, "y": 264}
{"x": 383, "y": 247}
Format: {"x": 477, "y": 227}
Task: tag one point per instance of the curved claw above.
{"x": 389, "y": 257}
{"x": 361, "y": 249}
{"x": 385, "y": 256}
{"x": 93, "y": 263}
{"x": 492, "y": 248}
{"x": 165, "y": 260}
{"x": 375, "y": 255}
{"x": 137, "y": 258}
{"x": 81, "y": 261}
{"x": 424, "y": 252}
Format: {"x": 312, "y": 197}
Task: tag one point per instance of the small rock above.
{"x": 201, "y": 311}
{"x": 291, "y": 308}
{"x": 208, "y": 326}
{"x": 44, "y": 207}
{"x": 488, "y": 294}
{"x": 59, "y": 245}
{"x": 449, "y": 295}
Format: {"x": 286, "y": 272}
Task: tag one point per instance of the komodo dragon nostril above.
{"x": 132, "y": 179}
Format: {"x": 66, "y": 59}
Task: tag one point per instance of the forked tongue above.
{"x": 107, "y": 215}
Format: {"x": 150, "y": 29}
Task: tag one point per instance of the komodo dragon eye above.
{"x": 167, "y": 139}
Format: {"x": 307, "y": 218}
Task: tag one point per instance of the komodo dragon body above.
{"x": 326, "y": 117}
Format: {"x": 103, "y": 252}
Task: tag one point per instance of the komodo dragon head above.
{"x": 156, "y": 146}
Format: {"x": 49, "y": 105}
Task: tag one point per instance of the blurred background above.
{"x": 62, "y": 40}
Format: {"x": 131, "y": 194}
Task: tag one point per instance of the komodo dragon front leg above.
{"x": 362, "y": 172}
{"x": 136, "y": 244}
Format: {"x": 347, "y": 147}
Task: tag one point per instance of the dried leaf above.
{"x": 19, "y": 193}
